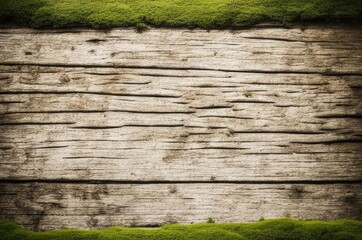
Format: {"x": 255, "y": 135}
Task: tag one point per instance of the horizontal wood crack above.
{"x": 91, "y": 93}
{"x": 106, "y": 181}
{"x": 115, "y": 66}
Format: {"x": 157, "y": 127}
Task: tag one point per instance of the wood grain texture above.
{"x": 42, "y": 206}
{"x": 152, "y": 124}
{"x": 314, "y": 49}
{"x": 101, "y": 128}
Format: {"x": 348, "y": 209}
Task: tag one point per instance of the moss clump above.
{"x": 141, "y": 27}
{"x": 206, "y": 14}
{"x": 282, "y": 229}
{"x": 248, "y": 94}
{"x": 210, "y": 220}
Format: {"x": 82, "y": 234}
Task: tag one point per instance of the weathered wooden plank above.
{"x": 314, "y": 49}
{"x": 43, "y": 206}
{"x": 179, "y": 126}
{"x": 154, "y": 124}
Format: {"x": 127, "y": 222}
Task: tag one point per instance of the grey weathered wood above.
{"x": 153, "y": 124}
{"x": 166, "y": 120}
{"x": 315, "y": 49}
{"x": 42, "y": 206}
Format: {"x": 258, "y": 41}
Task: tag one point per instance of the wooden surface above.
{"x": 179, "y": 125}
{"x": 50, "y": 206}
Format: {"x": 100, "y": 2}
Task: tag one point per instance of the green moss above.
{"x": 282, "y": 229}
{"x": 210, "y": 220}
{"x": 206, "y": 14}
{"x": 141, "y": 27}
{"x": 248, "y": 94}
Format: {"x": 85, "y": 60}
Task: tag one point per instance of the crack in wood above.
{"x": 35, "y": 123}
{"x": 92, "y": 93}
{"x": 115, "y": 66}
{"x": 141, "y": 182}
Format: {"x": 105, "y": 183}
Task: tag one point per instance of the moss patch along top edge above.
{"x": 206, "y": 14}
{"x": 267, "y": 229}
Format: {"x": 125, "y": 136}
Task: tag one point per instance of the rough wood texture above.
{"x": 193, "y": 110}
{"x": 143, "y": 124}
{"x": 49, "y": 206}
{"x": 324, "y": 50}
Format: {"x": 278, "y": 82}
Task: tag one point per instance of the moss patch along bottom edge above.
{"x": 278, "y": 229}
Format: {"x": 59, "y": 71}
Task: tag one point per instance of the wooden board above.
{"x": 142, "y": 124}
{"x": 315, "y": 49}
{"x": 118, "y": 124}
{"x": 42, "y": 206}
